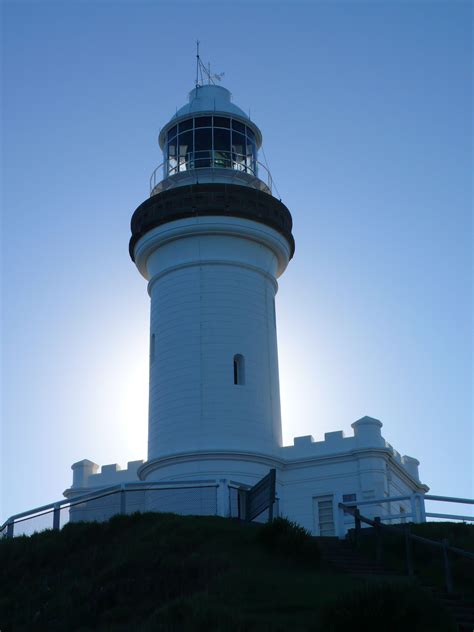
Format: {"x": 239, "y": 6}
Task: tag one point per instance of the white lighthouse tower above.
{"x": 211, "y": 241}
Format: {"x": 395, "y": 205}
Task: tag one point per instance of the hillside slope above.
{"x": 168, "y": 572}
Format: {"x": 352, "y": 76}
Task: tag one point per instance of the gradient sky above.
{"x": 365, "y": 110}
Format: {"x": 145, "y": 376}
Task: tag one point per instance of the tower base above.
{"x": 312, "y": 478}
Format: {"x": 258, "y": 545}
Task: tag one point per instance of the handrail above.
{"x": 449, "y": 499}
{"x": 418, "y": 512}
{"x": 213, "y": 159}
{"x": 375, "y": 523}
{"x": 102, "y": 492}
{"x": 377, "y": 501}
{"x": 50, "y": 506}
{"x": 409, "y": 538}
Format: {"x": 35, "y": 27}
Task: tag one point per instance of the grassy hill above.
{"x": 167, "y": 572}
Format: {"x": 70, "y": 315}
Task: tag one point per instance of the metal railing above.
{"x": 409, "y": 538}
{"x": 234, "y": 164}
{"x": 417, "y": 511}
{"x": 54, "y": 509}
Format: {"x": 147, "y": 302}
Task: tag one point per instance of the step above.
{"x": 357, "y": 563}
{"x": 463, "y": 613}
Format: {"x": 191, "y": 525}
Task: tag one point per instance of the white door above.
{"x": 324, "y": 516}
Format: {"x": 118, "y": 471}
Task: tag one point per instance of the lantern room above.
{"x": 210, "y": 139}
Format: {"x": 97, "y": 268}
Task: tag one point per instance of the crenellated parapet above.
{"x": 367, "y": 434}
{"x": 86, "y": 474}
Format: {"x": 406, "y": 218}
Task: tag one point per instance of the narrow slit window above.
{"x": 152, "y": 348}
{"x": 239, "y": 369}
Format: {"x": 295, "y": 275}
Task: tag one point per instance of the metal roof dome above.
{"x": 210, "y": 98}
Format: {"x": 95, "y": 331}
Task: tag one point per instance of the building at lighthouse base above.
{"x": 312, "y": 478}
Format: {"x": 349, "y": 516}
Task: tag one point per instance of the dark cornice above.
{"x": 212, "y": 199}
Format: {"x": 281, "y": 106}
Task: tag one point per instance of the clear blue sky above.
{"x": 365, "y": 110}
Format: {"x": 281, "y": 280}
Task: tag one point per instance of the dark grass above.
{"x": 428, "y": 561}
{"x": 387, "y": 607}
{"x": 167, "y": 572}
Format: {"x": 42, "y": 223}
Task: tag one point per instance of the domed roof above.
{"x": 210, "y": 99}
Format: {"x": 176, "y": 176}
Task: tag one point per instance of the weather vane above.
{"x": 203, "y": 72}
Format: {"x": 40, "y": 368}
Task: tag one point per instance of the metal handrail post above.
{"x": 378, "y": 536}
{"x": 223, "y": 499}
{"x": 414, "y": 512}
{"x": 447, "y": 568}
{"x": 123, "y": 501}
{"x": 341, "y": 514}
{"x": 409, "y": 551}
{"x": 357, "y": 526}
{"x": 10, "y": 529}
{"x": 57, "y": 517}
{"x": 421, "y": 506}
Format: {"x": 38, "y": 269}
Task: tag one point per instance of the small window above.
{"x": 152, "y": 348}
{"x": 172, "y": 131}
{"x": 239, "y": 369}
{"x": 348, "y": 498}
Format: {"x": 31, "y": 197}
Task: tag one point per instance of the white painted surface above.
{"x": 212, "y": 282}
{"x": 364, "y": 465}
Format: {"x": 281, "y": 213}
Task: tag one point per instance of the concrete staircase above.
{"x": 341, "y": 555}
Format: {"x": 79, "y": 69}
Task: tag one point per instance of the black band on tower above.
{"x": 198, "y": 200}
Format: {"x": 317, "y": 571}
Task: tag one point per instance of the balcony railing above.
{"x": 213, "y": 162}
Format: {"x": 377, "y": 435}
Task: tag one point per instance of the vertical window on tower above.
{"x": 152, "y": 348}
{"x": 239, "y": 369}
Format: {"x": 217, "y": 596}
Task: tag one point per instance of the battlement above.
{"x": 86, "y": 474}
{"x": 367, "y": 434}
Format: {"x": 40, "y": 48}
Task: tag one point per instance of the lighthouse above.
{"x": 212, "y": 241}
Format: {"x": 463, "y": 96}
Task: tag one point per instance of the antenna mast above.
{"x": 203, "y": 71}
{"x": 198, "y": 61}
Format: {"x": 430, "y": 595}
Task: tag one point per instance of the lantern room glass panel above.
{"x": 239, "y": 151}
{"x": 210, "y": 141}
{"x": 202, "y": 147}
{"x": 221, "y": 146}
{"x": 185, "y": 146}
{"x": 172, "y": 160}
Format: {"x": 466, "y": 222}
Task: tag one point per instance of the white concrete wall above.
{"x": 212, "y": 287}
